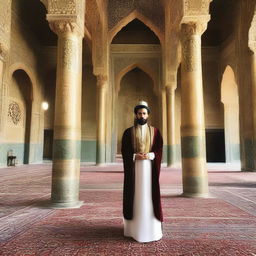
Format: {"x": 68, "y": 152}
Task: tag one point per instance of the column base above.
{"x": 196, "y": 195}
{"x": 67, "y": 205}
{"x": 101, "y": 164}
{"x": 248, "y": 170}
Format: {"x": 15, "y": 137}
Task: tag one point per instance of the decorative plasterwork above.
{"x": 66, "y": 7}
{"x": 151, "y": 9}
{"x": 192, "y": 28}
{"x": 62, "y": 27}
{"x": 102, "y": 81}
{"x": 135, "y": 15}
{"x": 190, "y": 37}
{"x": 14, "y": 113}
{"x": 66, "y": 15}
{"x": 252, "y": 34}
{"x": 5, "y": 26}
{"x": 196, "y": 7}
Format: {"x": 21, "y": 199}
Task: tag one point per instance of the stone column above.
{"x": 194, "y": 173}
{"x": 170, "y": 105}
{"x": 67, "y": 122}
{"x": 253, "y": 79}
{"x": 101, "y": 119}
{"x": 3, "y": 53}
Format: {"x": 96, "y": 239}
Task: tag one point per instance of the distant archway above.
{"x": 140, "y": 66}
{"x": 229, "y": 98}
{"x": 136, "y": 85}
{"x": 20, "y": 100}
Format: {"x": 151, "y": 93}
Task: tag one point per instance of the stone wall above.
{"x": 24, "y": 54}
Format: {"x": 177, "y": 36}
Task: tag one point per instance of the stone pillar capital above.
{"x": 171, "y": 82}
{"x": 192, "y": 28}
{"x": 65, "y": 27}
{"x": 170, "y": 88}
{"x": 102, "y": 81}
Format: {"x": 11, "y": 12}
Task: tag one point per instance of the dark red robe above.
{"x": 129, "y": 173}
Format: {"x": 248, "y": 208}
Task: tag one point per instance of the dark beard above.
{"x": 141, "y": 121}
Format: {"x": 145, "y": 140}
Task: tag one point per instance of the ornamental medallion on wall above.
{"x": 14, "y": 113}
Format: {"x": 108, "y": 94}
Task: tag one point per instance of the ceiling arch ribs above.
{"x": 130, "y": 17}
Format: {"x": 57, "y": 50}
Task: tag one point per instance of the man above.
{"x": 142, "y": 152}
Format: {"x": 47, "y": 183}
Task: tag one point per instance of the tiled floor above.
{"x": 224, "y": 224}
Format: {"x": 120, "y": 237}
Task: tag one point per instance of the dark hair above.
{"x": 140, "y": 107}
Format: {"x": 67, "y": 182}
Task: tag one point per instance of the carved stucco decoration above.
{"x": 92, "y": 15}
{"x": 252, "y": 34}
{"x": 152, "y": 9}
{"x": 69, "y": 13}
{"x": 70, "y": 52}
{"x": 102, "y": 81}
{"x": 96, "y": 26}
{"x": 14, "y": 112}
{"x": 196, "y": 7}
{"x": 62, "y": 7}
{"x": 5, "y": 26}
{"x": 191, "y": 50}
{"x": 62, "y": 27}
{"x": 98, "y": 55}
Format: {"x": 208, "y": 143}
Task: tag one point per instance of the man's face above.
{"x": 142, "y": 113}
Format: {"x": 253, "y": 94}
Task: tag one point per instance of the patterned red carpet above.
{"x": 224, "y": 224}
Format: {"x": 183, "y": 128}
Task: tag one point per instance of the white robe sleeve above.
{"x": 151, "y": 155}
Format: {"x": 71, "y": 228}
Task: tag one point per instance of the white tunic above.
{"x": 144, "y": 227}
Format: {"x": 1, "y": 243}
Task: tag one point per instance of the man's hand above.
{"x": 141, "y": 156}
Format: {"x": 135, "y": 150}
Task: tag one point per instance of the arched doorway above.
{"x": 229, "y": 98}
{"x": 135, "y": 85}
{"x": 19, "y": 115}
{"x": 136, "y": 64}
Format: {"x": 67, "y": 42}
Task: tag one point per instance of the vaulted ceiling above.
{"x": 220, "y": 27}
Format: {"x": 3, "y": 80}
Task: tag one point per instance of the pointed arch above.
{"x": 229, "y": 90}
{"x": 21, "y": 80}
{"x": 127, "y": 69}
{"x": 132, "y": 16}
{"x": 230, "y": 100}
{"x": 30, "y": 74}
